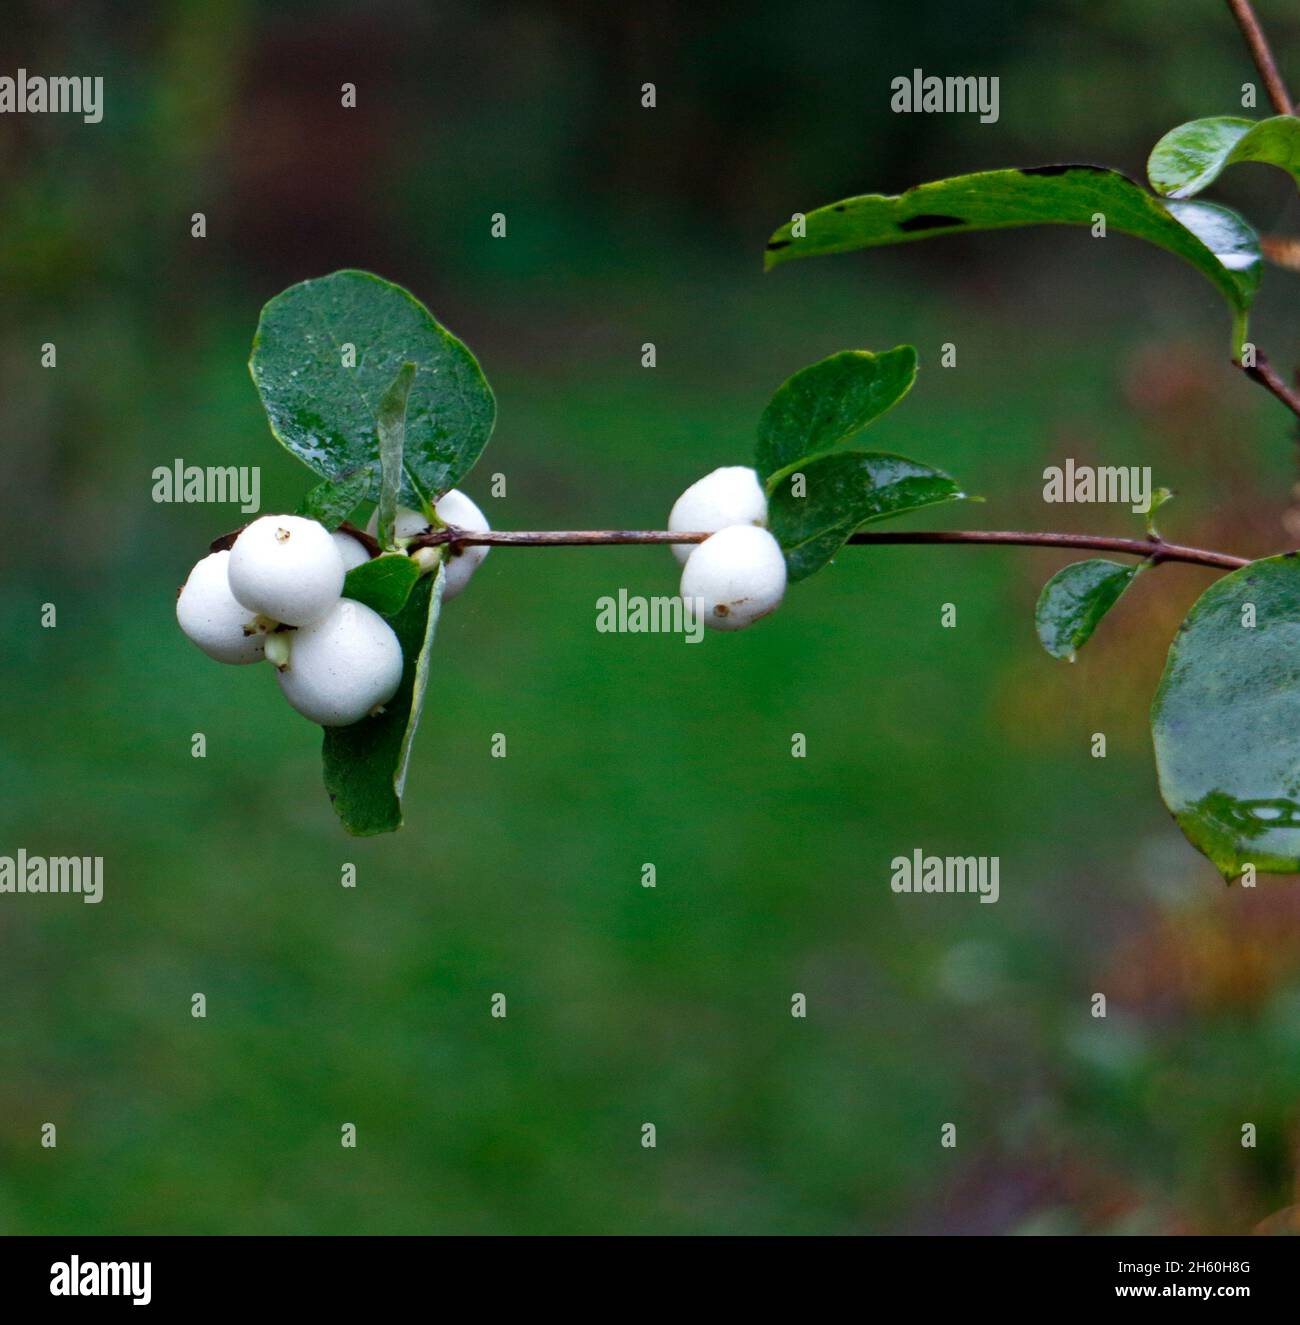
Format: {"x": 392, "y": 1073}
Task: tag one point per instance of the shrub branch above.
{"x": 1149, "y": 549}
{"x": 1258, "y": 45}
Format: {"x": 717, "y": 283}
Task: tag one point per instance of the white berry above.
{"x": 453, "y": 508}
{"x": 406, "y": 523}
{"x": 351, "y": 550}
{"x": 344, "y": 667}
{"x": 729, "y": 496}
{"x": 739, "y": 576}
{"x": 214, "y": 618}
{"x": 287, "y": 568}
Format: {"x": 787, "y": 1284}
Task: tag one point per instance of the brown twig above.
{"x": 1281, "y": 250}
{"x": 1267, "y": 376}
{"x": 1257, "y": 43}
{"x": 1152, "y": 549}
{"x": 368, "y": 541}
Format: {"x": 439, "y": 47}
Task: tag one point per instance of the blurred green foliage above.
{"x": 522, "y": 875}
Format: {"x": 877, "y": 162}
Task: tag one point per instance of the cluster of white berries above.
{"x": 277, "y": 594}
{"x": 738, "y": 571}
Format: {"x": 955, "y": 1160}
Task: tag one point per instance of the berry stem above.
{"x": 278, "y": 645}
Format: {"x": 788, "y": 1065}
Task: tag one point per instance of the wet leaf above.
{"x": 327, "y": 413}
{"x": 842, "y": 492}
{"x": 1217, "y": 242}
{"x": 391, "y": 427}
{"x": 1192, "y": 156}
{"x": 1226, "y": 720}
{"x": 333, "y": 499}
{"x": 827, "y": 402}
{"x": 1074, "y": 601}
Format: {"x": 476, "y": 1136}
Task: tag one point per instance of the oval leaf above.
{"x": 332, "y": 500}
{"x": 1192, "y": 156}
{"x": 1226, "y": 720}
{"x": 1074, "y": 601}
{"x": 365, "y": 764}
{"x": 383, "y": 583}
{"x": 391, "y": 428}
{"x": 328, "y": 415}
{"x": 1225, "y": 234}
{"x": 827, "y": 402}
{"x": 1038, "y": 195}
{"x": 842, "y": 492}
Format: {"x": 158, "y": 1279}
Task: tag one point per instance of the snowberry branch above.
{"x": 1151, "y": 549}
{"x": 1257, "y": 42}
{"x": 1262, "y": 371}
{"x": 1266, "y": 375}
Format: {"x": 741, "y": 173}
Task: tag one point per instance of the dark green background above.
{"x": 522, "y": 875}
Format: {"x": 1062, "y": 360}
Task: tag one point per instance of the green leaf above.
{"x": 333, "y": 499}
{"x": 1192, "y": 156}
{"x": 842, "y": 492}
{"x": 1039, "y": 195}
{"x": 420, "y": 684}
{"x": 1226, "y": 720}
{"x": 328, "y": 415}
{"x": 391, "y": 426}
{"x": 366, "y": 763}
{"x": 1158, "y": 498}
{"x": 1074, "y": 601}
{"x": 384, "y": 582}
{"x": 827, "y": 402}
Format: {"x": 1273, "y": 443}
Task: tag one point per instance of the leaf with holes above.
{"x": 1214, "y": 240}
